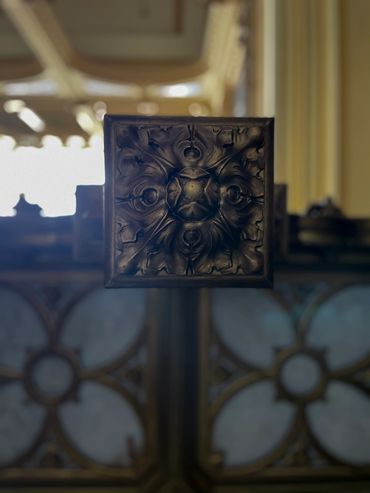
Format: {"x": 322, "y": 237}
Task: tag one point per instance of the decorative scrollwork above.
{"x": 188, "y": 199}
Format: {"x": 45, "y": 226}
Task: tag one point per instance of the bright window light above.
{"x": 101, "y": 87}
{"x": 14, "y": 105}
{"x": 85, "y": 121}
{"x": 32, "y": 119}
{"x": 28, "y": 116}
{"x": 51, "y": 142}
{"x": 7, "y": 143}
{"x": 48, "y": 176}
{"x": 180, "y": 90}
{"x": 30, "y": 88}
{"x": 75, "y": 142}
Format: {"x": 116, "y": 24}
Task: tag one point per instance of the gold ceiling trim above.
{"x": 42, "y": 31}
{"x": 139, "y": 72}
{"x": 19, "y": 68}
{"x": 39, "y": 26}
{"x": 216, "y": 71}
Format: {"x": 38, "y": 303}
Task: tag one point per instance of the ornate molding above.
{"x": 188, "y": 201}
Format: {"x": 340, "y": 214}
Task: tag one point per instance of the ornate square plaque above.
{"x": 188, "y": 201}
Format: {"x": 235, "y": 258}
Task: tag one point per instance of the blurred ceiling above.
{"x": 64, "y": 63}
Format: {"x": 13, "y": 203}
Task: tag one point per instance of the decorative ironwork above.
{"x": 56, "y": 372}
{"x": 188, "y": 201}
{"x": 299, "y": 367}
{"x": 265, "y": 395}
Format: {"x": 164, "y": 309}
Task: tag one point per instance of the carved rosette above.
{"x": 188, "y": 201}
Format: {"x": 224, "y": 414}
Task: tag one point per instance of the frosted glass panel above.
{"x": 20, "y": 422}
{"x": 104, "y": 324}
{"x": 342, "y": 423}
{"x": 251, "y": 323}
{"x": 52, "y": 375}
{"x": 251, "y": 424}
{"x": 298, "y": 363}
{"x": 102, "y": 425}
{"x": 342, "y": 325}
{"x": 300, "y": 374}
{"x": 20, "y": 329}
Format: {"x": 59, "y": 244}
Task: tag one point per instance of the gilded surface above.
{"x": 190, "y": 198}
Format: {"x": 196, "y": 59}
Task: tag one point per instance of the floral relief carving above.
{"x": 189, "y": 198}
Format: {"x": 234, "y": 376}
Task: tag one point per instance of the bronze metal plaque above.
{"x": 188, "y": 201}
